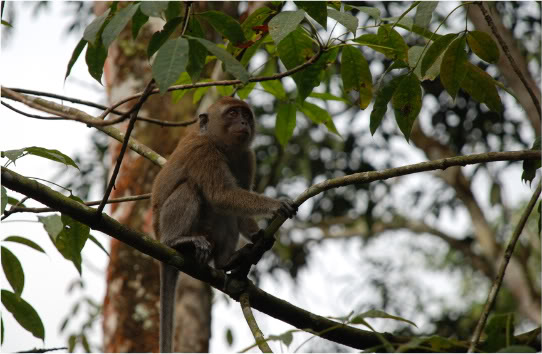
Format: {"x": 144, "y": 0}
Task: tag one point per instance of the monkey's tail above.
{"x": 168, "y": 289}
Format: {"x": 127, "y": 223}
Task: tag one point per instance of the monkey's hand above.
{"x": 287, "y": 208}
{"x": 239, "y": 258}
{"x": 198, "y": 246}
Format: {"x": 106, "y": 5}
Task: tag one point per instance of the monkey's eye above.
{"x": 232, "y": 113}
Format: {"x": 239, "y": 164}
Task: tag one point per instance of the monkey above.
{"x": 202, "y": 198}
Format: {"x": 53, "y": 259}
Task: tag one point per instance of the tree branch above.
{"x": 113, "y": 132}
{"x": 18, "y": 209}
{"x": 89, "y": 104}
{"x": 506, "y": 51}
{"x": 253, "y": 325}
{"x": 502, "y": 269}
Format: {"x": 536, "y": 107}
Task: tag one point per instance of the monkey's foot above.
{"x": 196, "y": 245}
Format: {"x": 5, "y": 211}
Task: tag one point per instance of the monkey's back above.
{"x": 193, "y": 161}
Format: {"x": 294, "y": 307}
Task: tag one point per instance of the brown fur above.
{"x": 202, "y": 198}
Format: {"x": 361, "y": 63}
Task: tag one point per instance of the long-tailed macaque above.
{"x": 202, "y": 198}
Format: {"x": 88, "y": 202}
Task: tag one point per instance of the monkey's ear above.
{"x": 203, "y": 120}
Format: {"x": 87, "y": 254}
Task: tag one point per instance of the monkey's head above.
{"x": 229, "y": 122}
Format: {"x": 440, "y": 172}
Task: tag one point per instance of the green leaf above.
{"x": 517, "y": 349}
{"x": 198, "y": 94}
{"x": 13, "y": 155}
{"x": 256, "y": 18}
{"x": 424, "y": 12}
{"x": 52, "y": 224}
{"x": 24, "y": 241}
{"x": 316, "y": 9}
{"x": 500, "y": 332}
{"x": 315, "y": 113}
{"x": 225, "y": 25}
{"x": 452, "y": 69}
{"x": 229, "y": 336}
{"x": 4, "y": 200}
{"x": 153, "y": 8}
{"x": 275, "y": 88}
{"x": 318, "y": 115}
{"x": 23, "y": 313}
{"x": 387, "y": 41}
{"x": 2, "y": 325}
{"x": 7, "y": 24}
{"x": 75, "y": 55}
{"x": 356, "y": 75}
{"x": 197, "y": 52}
{"x": 530, "y": 166}
{"x": 383, "y": 96}
{"x": 178, "y": 94}
{"x": 329, "y": 97}
{"x": 435, "y": 50}
{"x": 13, "y": 271}
{"x": 170, "y": 63}
{"x": 284, "y": 23}
{"x": 93, "y": 29}
{"x": 483, "y": 46}
{"x": 95, "y": 59}
{"x": 414, "y": 54}
{"x": 138, "y": 21}
{"x": 225, "y": 90}
{"x": 51, "y": 154}
{"x": 382, "y": 314}
{"x": 345, "y": 19}
{"x": 481, "y": 87}
{"x": 97, "y": 243}
{"x": 371, "y": 11}
{"x": 407, "y": 103}
{"x": 117, "y": 24}
{"x": 285, "y": 125}
{"x": 246, "y": 90}
{"x": 232, "y": 65}
{"x": 295, "y": 50}
{"x": 173, "y": 9}
{"x": 160, "y": 37}
{"x": 71, "y": 240}
{"x": 14, "y": 201}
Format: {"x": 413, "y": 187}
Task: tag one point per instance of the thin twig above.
{"x": 502, "y": 269}
{"x": 31, "y": 115}
{"x": 10, "y": 211}
{"x": 252, "y": 324}
{"x": 131, "y": 125}
{"x": 42, "y": 350}
{"x": 17, "y": 209}
{"x": 224, "y": 82}
{"x": 96, "y": 105}
{"x": 506, "y": 51}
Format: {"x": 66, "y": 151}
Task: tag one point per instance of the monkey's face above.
{"x": 229, "y": 122}
{"x": 238, "y": 125}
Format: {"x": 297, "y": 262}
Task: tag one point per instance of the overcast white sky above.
{"x": 35, "y": 57}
